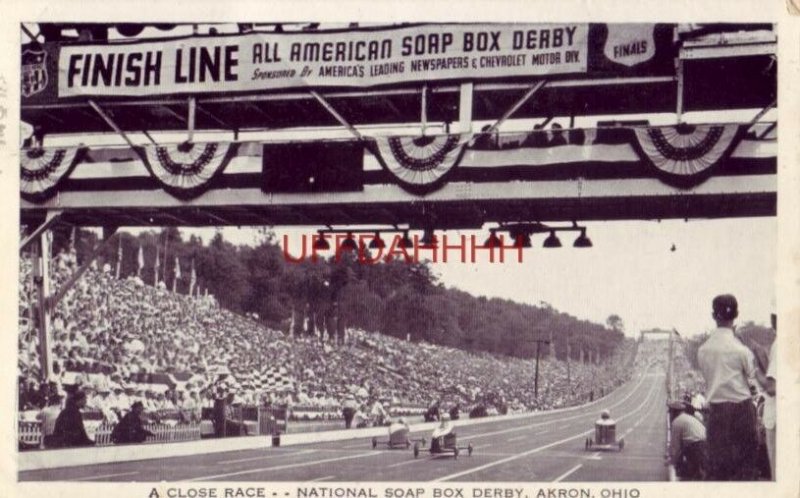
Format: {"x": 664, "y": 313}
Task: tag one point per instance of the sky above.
{"x": 630, "y": 271}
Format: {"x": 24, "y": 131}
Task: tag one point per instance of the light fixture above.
{"x": 377, "y": 242}
{"x": 348, "y": 244}
{"x": 493, "y": 241}
{"x": 321, "y": 244}
{"x": 582, "y": 240}
{"x": 428, "y": 239}
{"x": 551, "y": 241}
{"x": 521, "y": 239}
{"x": 405, "y": 242}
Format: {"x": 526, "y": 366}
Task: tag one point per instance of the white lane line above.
{"x": 409, "y": 462}
{"x": 265, "y": 457}
{"x": 567, "y": 473}
{"x": 102, "y": 476}
{"x": 353, "y": 446}
{"x": 516, "y": 438}
{"x": 541, "y": 448}
{"x": 287, "y": 466}
{"x": 594, "y": 456}
{"x": 326, "y": 478}
{"x": 558, "y": 421}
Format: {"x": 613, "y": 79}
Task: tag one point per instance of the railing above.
{"x": 30, "y": 433}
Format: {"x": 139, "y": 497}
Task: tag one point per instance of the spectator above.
{"x": 767, "y": 381}
{"x": 131, "y": 429}
{"x": 378, "y": 413}
{"x": 433, "y": 414}
{"x": 349, "y": 408}
{"x": 728, "y": 368}
{"x": 455, "y": 412}
{"x": 688, "y": 449}
{"x": 558, "y": 137}
{"x": 48, "y": 417}
{"x": 69, "y": 430}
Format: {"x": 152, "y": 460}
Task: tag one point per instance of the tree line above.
{"x": 397, "y": 298}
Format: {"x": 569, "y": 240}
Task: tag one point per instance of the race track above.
{"x": 548, "y": 447}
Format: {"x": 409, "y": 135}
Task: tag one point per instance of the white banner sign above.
{"x": 265, "y": 61}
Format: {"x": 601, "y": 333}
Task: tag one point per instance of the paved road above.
{"x": 545, "y": 448}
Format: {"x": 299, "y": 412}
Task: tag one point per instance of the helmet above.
{"x": 605, "y": 414}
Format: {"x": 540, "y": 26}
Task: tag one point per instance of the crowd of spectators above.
{"x": 123, "y": 342}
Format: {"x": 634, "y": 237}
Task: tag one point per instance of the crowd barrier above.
{"x": 30, "y": 433}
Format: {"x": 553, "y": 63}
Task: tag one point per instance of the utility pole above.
{"x": 539, "y": 343}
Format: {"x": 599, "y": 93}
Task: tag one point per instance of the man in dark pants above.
{"x": 728, "y": 367}
{"x": 69, "y": 430}
{"x": 688, "y": 448}
{"x": 349, "y": 408}
{"x": 131, "y": 428}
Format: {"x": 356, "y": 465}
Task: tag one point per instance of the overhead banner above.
{"x": 264, "y": 61}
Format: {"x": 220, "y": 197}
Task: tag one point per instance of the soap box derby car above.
{"x": 443, "y": 441}
{"x": 605, "y": 435}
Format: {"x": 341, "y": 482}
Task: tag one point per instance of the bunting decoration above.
{"x": 686, "y": 154}
{"x": 185, "y": 170}
{"x": 421, "y": 164}
{"x": 41, "y": 170}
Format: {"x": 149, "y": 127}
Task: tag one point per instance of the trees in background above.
{"x": 401, "y": 299}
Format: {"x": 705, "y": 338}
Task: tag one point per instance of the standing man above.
{"x": 349, "y": 408}
{"x": 767, "y": 381}
{"x": 728, "y": 368}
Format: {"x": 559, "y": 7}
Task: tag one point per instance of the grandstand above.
{"x": 139, "y": 342}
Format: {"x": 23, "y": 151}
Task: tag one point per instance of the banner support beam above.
{"x": 110, "y": 122}
{"x": 212, "y": 116}
{"x": 466, "y": 93}
{"x": 34, "y": 39}
{"x": 149, "y": 137}
{"x": 424, "y": 108}
{"x": 50, "y": 218}
{"x": 519, "y": 103}
{"x": 679, "y": 96}
{"x": 763, "y": 112}
{"x": 190, "y": 121}
{"x": 328, "y": 107}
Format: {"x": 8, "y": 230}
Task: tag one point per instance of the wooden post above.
{"x": 465, "y": 108}
{"x": 191, "y": 118}
{"x": 41, "y": 280}
{"x": 679, "y": 96}
{"x": 423, "y": 115}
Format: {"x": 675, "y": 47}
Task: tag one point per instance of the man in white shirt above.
{"x": 728, "y": 367}
{"x": 688, "y": 443}
{"x": 767, "y": 381}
